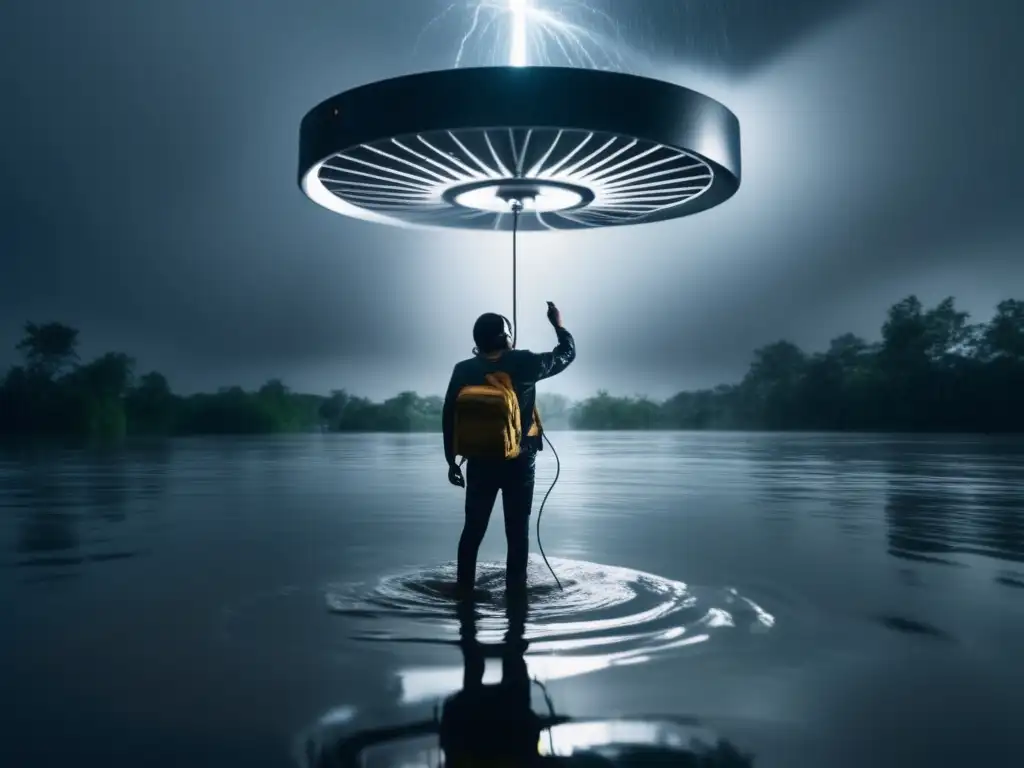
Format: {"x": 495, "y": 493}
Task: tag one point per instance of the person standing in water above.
{"x": 490, "y": 419}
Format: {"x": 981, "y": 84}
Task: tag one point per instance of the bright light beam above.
{"x": 519, "y": 33}
{"x": 519, "y": 9}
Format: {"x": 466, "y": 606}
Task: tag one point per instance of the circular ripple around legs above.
{"x": 603, "y": 609}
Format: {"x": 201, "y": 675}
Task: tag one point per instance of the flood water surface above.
{"x": 813, "y": 599}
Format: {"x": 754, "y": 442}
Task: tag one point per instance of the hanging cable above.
{"x": 517, "y": 207}
{"x": 558, "y": 471}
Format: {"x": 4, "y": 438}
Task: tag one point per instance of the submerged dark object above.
{"x": 579, "y": 148}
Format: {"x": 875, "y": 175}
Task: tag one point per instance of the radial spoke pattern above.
{"x": 409, "y": 178}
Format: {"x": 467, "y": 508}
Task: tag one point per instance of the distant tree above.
{"x": 1003, "y": 335}
{"x": 151, "y": 406}
{"x": 154, "y": 385}
{"x": 771, "y": 384}
{"x": 274, "y": 390}
{"x": 49, "y": 348}
{"x": 607, "y": 412}
{"x": 333, "y": 408}
{"x": 932, "y": 369}
{"x": 948, "y": 335}
{"x": 905, "y": 341}
{"x": 108, "y": 376}
{"x": 99, "y": 388}
{"x": 554, "y": 410}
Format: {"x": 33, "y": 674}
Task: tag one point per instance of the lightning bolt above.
{"x": 519, "y": 10}
{"x": 524, "y": 32}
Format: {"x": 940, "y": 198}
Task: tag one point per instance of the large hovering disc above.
{"x": 580, "y": 148}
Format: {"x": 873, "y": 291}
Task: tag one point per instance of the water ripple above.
{"x": 603, "y": 609}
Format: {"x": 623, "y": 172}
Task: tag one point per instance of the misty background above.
{"x": 149, "y": 158}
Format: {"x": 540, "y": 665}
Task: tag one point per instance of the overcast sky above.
{"x": 148, "y": 156}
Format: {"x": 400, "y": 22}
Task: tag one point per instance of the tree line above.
{"x": 931, "y": 370}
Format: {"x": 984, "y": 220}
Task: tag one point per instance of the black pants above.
{"x": 515, "y": 480}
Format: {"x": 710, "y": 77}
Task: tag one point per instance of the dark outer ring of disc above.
{"x": 586, "y": 195}
{"x": 498, "y": 98}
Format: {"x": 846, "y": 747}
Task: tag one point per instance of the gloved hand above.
{"x": 455, "y": 476}
{"x": 554, "y": 316}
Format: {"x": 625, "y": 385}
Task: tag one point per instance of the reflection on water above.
{"x": 605, "y": 616}
{"x": 1010, "y": 581}
{"x": 943, "y": 496}
{"x": 494, "y": 722}
{"x": 911, "y": 627}
{"x": 893, "y": 566}
{"x": 955, "y": 498}
{"x": 74, "y": 507}
{"x": 615, "y": 743}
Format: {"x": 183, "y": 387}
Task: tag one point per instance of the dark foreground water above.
{"x": 817, "y": 600}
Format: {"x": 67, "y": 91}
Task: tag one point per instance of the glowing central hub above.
{"x": 517, "y": 52}
{"x": 535, "y": 197}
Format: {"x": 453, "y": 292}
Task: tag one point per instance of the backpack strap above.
{"x": 500, "y": 379}
{"x": 537, "y": 427}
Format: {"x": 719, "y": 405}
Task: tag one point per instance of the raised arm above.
{"x": 547, "y": 364}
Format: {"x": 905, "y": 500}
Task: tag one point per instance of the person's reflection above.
{"x": 495, "y": 721}
{"x": 495, "y": 725}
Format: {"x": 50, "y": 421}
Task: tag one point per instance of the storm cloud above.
{"x": 149, "y": 153}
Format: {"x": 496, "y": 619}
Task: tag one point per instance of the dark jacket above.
{"x": 525, "y": 368}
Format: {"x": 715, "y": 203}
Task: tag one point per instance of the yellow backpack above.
{"x": 487, "y": 420}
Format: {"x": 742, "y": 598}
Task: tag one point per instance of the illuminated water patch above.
{"x": 606, "y": 616}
